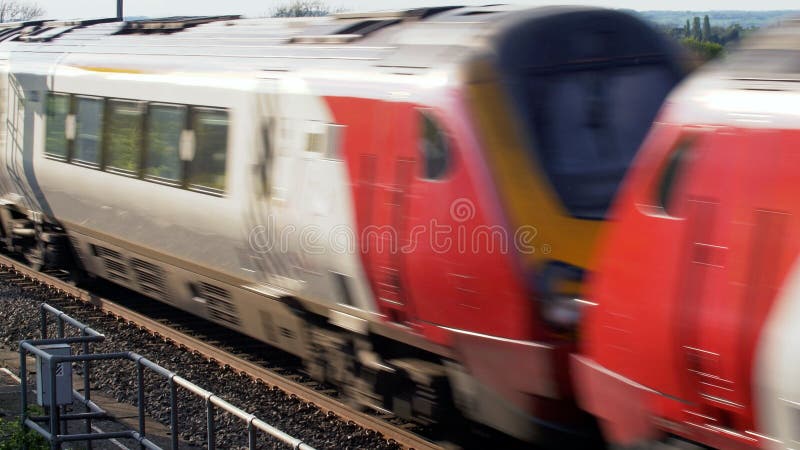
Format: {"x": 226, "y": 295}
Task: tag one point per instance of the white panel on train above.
{"x": 777, "y": 368}
{"x": 297, "y": 230}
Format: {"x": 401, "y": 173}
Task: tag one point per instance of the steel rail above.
{"x": 404, "y": 438}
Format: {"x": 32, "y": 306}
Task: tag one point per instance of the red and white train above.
{"x": 406, "y": 201}
{"x": 694, "y": 329}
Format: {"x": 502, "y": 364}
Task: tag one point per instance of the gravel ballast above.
{"x": 19, "y": 319}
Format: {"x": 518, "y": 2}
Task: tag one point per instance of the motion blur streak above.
{"x": 221, "y": 165}
{"x": 696, "y": 283}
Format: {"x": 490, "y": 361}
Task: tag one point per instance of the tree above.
{"x": 17, "y": 11}
{"x": 302, "y": 8}
{"x": 731, "y": 34}
{"x": 706, "y": 28}
{"x": 696, "y": 32}
{"x": 704, "y": 50}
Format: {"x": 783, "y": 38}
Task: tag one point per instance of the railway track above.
{"x": 166, "y": 331}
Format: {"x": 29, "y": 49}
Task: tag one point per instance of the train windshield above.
{"x": 587, "y": 126}
{"x": 588, "y": 91}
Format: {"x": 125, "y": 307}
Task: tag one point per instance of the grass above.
{"x": 13, "y": 436}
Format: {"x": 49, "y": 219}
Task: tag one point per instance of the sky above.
{"x": 73, "y": 9}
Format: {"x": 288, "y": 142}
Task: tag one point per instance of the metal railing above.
{"x": 58, "y": 418}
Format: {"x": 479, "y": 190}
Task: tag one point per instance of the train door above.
{"x": 300, "y": 211}
{"x": 291, "y": 190}
{"x": 436, "y": 227}
{"x": 266, "y": 197}
{"x": 734, "y": 259}
{"x": 392, "y": 168}
{"x": 14, "y": 133}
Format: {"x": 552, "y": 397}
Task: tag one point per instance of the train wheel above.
{"x": 36, "y": 254}
{"x": 6, "y": 221}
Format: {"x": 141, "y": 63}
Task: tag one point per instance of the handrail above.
{"x": 89, "y": 335}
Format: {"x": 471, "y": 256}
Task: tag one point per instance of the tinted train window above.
{"x": 57, "y": 111}
{"x": 88, "y": 130}
{"x": 207, "y": 169}
{"x": 586, "y": 88}
{"x": 125, "y": 120}
{"x": 434, "y": 148}
{"x": 588, "y": 125}
{"x": 265, "y": 160}
{"x": 164, "y": 124}
{"x": 671, "y": 176}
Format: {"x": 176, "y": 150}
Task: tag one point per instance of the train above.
{"x": 690, "y": 331}
{"x": 406, "y": 201}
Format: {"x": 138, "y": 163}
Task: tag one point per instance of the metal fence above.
{"x": 57, "y": 417}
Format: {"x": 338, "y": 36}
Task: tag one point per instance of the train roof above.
{"x": 772, "y": 54}
{"x": 757, "y": 85}
{"x": 411, "y": 40}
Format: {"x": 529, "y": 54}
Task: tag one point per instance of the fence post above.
{"x": 61, "y": 332}
{"x": 87, "y": 394}
{"x": 173, "y": 402}
{"x": 23, "y": 377}
{"x": 212, "y": 445}
{"x": 251, "y": 434}
{"x": 140, "y": 398}
{"x": 55, "y": 444}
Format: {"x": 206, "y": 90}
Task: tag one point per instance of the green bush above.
{"x": 703, "y": 49}
{"x": 13, "y": 437}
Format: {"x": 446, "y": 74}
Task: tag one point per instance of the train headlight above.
{"x": 563, "y": 313}
{"x": 558, "y": 303}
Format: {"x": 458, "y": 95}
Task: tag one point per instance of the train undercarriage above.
{"x": 371, "y": 371}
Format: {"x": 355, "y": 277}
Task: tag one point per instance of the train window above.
{"x": 265, "y": 160}
{"x": 58, "y": 106}
{"x": 671, "y": 176}
{"x": 434, "y": 147}
{"x": 124, "y": 136}
{"x": 164, "y": 126}
{"x": 207, "y": 169}
{"x": 89, "y": 126}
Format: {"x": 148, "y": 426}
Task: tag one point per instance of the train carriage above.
{"x": 693, "y": 333}
{"x": 404, "y": 200}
